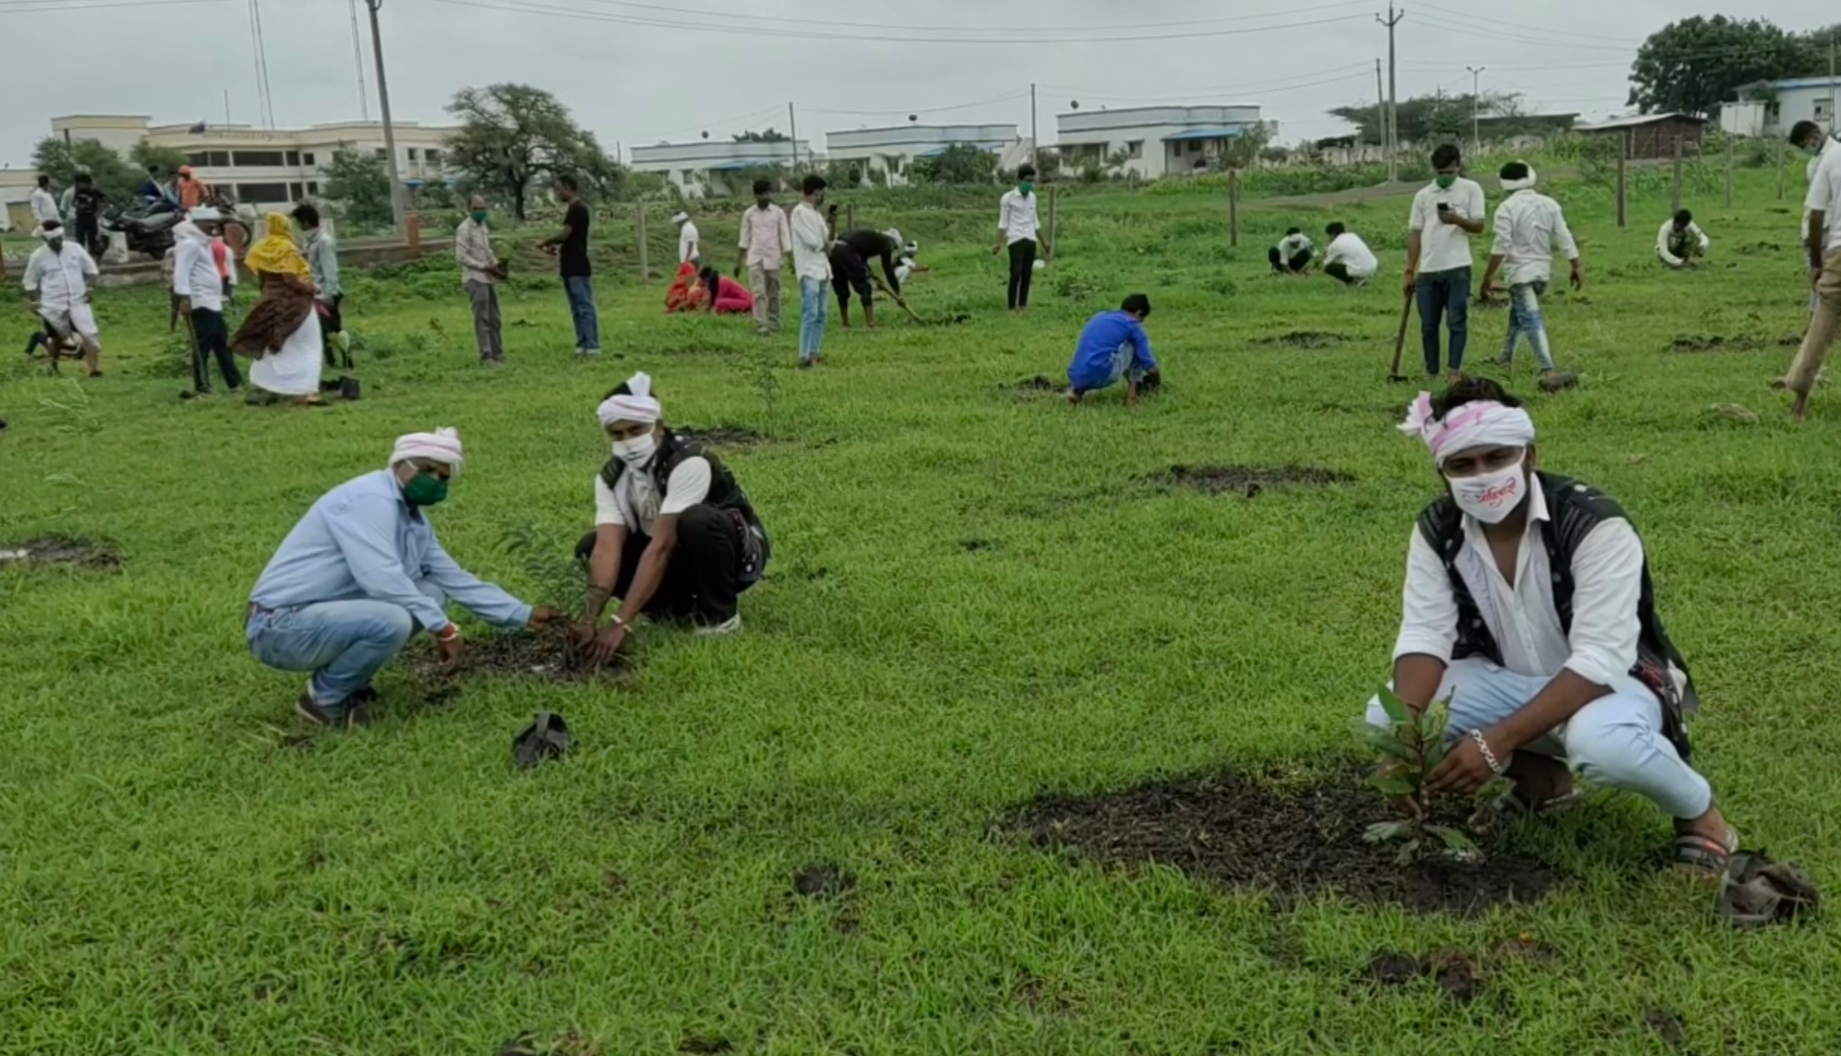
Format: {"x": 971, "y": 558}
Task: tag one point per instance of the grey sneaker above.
{"x": 351, "y": 714}
{"x": 732, "y": 625}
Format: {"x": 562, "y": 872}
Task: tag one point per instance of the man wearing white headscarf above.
{"x": 675, "y": 536}
{"x": 1529, "y": 609}
{"x": 59, "y": 277}
{"x": 1529, "y": 227}
{"x": 361, "y": 573}
{"x": 199, "y": 286}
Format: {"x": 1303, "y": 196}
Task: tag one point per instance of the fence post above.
{"x": 1623, "y": 184}
{"x": 1233, "y": 207}
{"x": 1731, "y": 145}
{"x": 850, "y": 217}
{"x": 645, "y": 274}
{"x": 1677, "y": 194}
{"x": 1054, "y": 231}
{"x": 1780, "y": 166}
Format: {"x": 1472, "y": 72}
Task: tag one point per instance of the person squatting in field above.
{"x": 1292, "y": 255}
{"x": 361, "y": 573}
{"x": 1529, "y": 606}
{"x": 675, "y": 537}
{"x": 1113, "y": 345}
{"x": 1681, "y": 242}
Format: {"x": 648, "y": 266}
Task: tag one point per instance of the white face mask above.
{"x": 637, "y": 451}
{"x": 1493, "y": 496}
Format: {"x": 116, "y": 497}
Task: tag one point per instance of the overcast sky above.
{"x": 642, "y": 83}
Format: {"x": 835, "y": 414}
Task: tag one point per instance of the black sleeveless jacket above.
{"x": 1574, "y": 509}
{"x": 725, "y": 493}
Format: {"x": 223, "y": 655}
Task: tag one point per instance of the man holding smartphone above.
{"x": 1445, "y": 214}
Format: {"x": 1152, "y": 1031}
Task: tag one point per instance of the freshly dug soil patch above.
{"x": 1668, "y": 1026}
{"x": 1298, "y": 842}
{"x": 1454, "y": 973}
{"x": 529, "y": 655}
{"x": 822, "y": 880}
{"x": 1305, "y": 339}
{"x": 1040, "y": 385}
{"x": 1248, "y": 480}
{"x": 727, "y": 435}
{"x": 700, "y": 1043}
{"x": 1716, "y": 343}
{"x": 58, "y": 549}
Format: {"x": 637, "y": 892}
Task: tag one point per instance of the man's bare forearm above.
{"x": 646, "y": 582}
{"x": 1417, "y": 677}
{"x": 603, "y": 574}
{"x": 1558, "y": 702}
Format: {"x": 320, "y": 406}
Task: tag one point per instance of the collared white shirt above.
{"x": 636, "y": 503}
{"x": 1815, "y": 162}
{"x": 1825, "y": 195}
{"x": 1607, "y": 585}
{"x": 687, "y": 242}
{"x": 1351, "y": 252}
{"x": 766, "y": 236}
{"x": 195, "y": 275}
{"x": 58, "y": 277}
{"x": 1442, "y": 246}
{"x": 1668, "y": 232}
{"x": 1529, "y": 227}
{"x": 1017, "y": 217}
{"x": 811, "y": 244}
{"x": 473, "y": 248}
{"x": 1291, "y": 245}
{"x": 44, "y": 207}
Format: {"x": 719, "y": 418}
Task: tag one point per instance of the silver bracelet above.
{"x": 1489, "y": 757}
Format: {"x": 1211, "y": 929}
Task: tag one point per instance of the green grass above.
{"x": 175, "y": 879}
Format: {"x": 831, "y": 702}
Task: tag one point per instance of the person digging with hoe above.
{"x": 1112, "y": 346}
{"x": 1529, "y": 607}
{"x": 675, "y": 536}
{"x": 361, "y": 573}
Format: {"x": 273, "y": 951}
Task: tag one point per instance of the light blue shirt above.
{"x": 362, "y": 540}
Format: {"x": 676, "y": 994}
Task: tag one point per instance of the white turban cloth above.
{"x": 639, "y": 407}
{"x": 442, "y": 445}
{"x": 1512, "y": 186}
{"x": 1484, "y": 423}
{"x": 46, "y": 230}
{"x": 894, "y": 235}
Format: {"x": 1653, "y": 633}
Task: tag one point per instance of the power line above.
{"x": 994, "y": 100}
{"x": 524, "y": 7}
{"x": 27, "y": 7}
{"x": 831, "y": 23}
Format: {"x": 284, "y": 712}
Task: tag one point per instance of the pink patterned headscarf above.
{"x": 1484, "y": 423}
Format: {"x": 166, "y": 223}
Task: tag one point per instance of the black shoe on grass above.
{"x": 352, "y": 713}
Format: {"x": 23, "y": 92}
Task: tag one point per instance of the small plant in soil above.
{"x": 1412, "y": 746}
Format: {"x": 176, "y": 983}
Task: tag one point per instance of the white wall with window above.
{"x": 1152, "y": 140}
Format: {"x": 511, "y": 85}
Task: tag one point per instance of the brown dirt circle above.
{"x": 59, "y": 549}
{"x": 1250, "y": 480}
{"x": 1305, "y": 339}
{"x": 1297, "y": 840}
{"x": 543, "y": 656}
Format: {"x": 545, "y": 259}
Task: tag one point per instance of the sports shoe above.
{"x": 732, "y": 625}
{"x": 352, "y": 713}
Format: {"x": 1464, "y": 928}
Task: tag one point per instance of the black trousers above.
{"x": 89, "y": 234}
{"x": 213, "y": 342}
{"x": 1297, "y": 263}
{"x": 1022, "y": 271}
{"x": 850, "y": 272}
{"x": 703, "y": 580}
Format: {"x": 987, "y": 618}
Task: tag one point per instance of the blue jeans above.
{"x": 1615, "y": 741}
{"x": 1444, "y": 296}
{"x": 1525, "y": 318}
{"x": 344, "y": 643}
{"x": 580, "y": 289}
{"x": 812, "y": 294}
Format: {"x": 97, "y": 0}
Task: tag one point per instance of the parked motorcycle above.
{"x": 149, "y": 229}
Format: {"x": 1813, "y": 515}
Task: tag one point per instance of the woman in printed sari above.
{"x": 282, "y": 330}
{"x": 686, "y": 293}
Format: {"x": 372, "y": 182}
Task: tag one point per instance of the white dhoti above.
{"x": 294, "y": 369}
{"x": 77, "y": 318}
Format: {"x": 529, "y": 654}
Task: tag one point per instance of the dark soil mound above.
{"x": 1305, "y": 339}
{"x": 1297, "y": 842}
{"x": 1039, "y": 385}
{"x": 528, "y": 655}
{"x": 1668, "y": 1027}
{"x": 1716, "y": 343}
{"x": 728, "y": 435}
{"x": 1455, "y": 974}
{"x": 58, "y": 549}
{"x": 822, "y": 880}
{"x": 1249, "y": 480}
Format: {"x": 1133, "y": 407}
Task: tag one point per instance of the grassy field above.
{"x": 974, "y": 599}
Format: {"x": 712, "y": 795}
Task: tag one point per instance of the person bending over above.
{"x": 1347, "y": 258}
{"x": 1681, "y": 241}
{"x": 1112, "y": 346}
{"x": 1293, "y": 253}
{"x": 1529, "y": 606}
{"x": 675, "y": 536}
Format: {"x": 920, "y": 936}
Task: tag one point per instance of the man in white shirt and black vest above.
{"x": 675, "y": 536}
{"x": 1528, "y": 605}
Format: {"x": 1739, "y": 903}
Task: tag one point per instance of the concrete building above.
{"x": 1157, "y": 140}
{"x": 268, "y": 166}
{"x": 1774, "y": 107}
{"x": 697, "y": 169}
{"x": 893, "y": 151}
{"x": 1651, "y": 136}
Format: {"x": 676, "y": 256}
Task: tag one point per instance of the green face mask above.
{"x": 1445, "y": 181}
{"x": 479, "y": 216}
{"x": 1027, "y": 187}
{"x": 425, "y": 490}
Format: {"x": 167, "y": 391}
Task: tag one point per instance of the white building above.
{"x": 1157, "y": 140}
{"x": 893, "y": 151}
{"x": 269, "y": 166}
{"x": 697, "y": 169}
{"x": 1773, "y": 108}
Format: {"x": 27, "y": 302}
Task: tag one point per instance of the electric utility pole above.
{"x": 1035, "y": 136}
{"x": 1476, "y": 122}
{"x": 792, "y": 128}
{"x": 364, "y": 104}
{"x": 1393, "y": 92}
{"x": 1380, "y": 108}
{"x": 383, "y": 106}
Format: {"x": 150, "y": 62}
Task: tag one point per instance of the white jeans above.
{"x": 1615, "y": 741}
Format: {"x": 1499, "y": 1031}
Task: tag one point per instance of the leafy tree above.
{"x": 959, "y": 163}
{"x": 514, "y": 136}
{"x": 769, "y": 136}
{"x": 360, "y": 185}
{"x": 168, "y": 159}
{"x": 1428, "y": 117}
{"x": 1698, "y": 63}
{"x": 112, "y": 173}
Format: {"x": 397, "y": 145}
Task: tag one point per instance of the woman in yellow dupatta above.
{"x": 282, "y": 330}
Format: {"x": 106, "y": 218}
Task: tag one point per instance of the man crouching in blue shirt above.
{"x": 1113, "y": 346}
{"x": 360, "y": 573}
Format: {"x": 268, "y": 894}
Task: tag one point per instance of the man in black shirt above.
{"x": 86, "y": 202}
{"x": 571, "y": 246}
{"x": 850, "y": 268}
